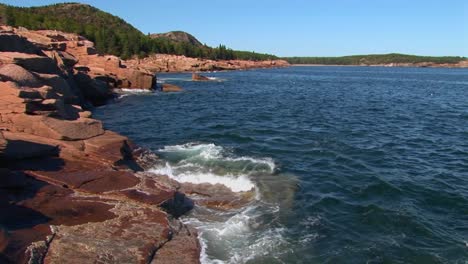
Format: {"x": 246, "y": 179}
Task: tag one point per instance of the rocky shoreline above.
{"x": 177, "y": 63}
{"x": 70, "y": 190}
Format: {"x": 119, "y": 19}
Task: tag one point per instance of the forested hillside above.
{"x": 373, "y": 59}
{"x": 111, "y": 34}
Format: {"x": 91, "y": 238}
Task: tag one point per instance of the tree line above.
{"x": 111, "y": 34}
{"x": 373, "y": 59}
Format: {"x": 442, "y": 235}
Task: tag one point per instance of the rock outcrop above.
{"x": 179, "y": 36}
{"x": 166, "y": 87}
{"x": 175, "y": 63}
{"x": 70, "y": 190}
{"x": 71, "y": 58}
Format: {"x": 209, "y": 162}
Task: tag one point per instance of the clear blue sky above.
{"x": 303, "y": 27}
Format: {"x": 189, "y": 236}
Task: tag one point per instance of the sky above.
{"x": 303, "y": 27}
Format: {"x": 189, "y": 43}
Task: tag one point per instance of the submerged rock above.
{"x": 170, "y": 88}
{"x": 215, "y": 196}
{"x": 199, "y": 77}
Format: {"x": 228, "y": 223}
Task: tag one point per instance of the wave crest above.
{"x": 209, "y": 163}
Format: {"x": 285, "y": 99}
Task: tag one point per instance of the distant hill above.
{"x": 374, "y": 59}
{"x": 178, "y": 36}
{"x": 113, "y": 35}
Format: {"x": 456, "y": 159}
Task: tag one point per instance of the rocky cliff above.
{"x": 70, "y": 191}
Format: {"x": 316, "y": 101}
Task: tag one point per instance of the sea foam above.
{"x": 235, "y": 183}
{"x": 209, "y": 163}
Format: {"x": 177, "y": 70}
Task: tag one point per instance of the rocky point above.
{"x": 177, "y": 63}
{"x": 70, "y": 191}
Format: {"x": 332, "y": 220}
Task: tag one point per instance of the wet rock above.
{"x": 170, "y": 88}
{"x": 199, "y": 77}
{"x": 183, "y": 247}
{"x": 145, "y": 158}
{"x": 217, "y": 196}
{"x": 178, "y": 205}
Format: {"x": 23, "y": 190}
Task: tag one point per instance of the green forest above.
{"x": 372, "y": 59}
{"x": 111, "y": 34}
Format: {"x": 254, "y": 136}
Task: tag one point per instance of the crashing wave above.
{"x": 208, "y": 163}
{"x": 238, "y": 235}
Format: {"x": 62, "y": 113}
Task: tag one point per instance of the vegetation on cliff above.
{"x": 112, "y": 34}
{"x": 373, "y": 59}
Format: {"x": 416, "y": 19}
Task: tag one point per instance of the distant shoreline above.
{"x": 457, "y": 66}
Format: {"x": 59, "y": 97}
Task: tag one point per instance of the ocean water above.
{"x": 349, "y": 164}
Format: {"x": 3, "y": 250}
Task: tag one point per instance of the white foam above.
{"x": 209, "y": 163}
{"x": 235, "y": 183}
{"x": 208, "y": 151}
{"x": 237, "y": 225}
{"x": 212, "y": 152}
{"x": 236, "y": 236}
{"x": 133, "y": 91}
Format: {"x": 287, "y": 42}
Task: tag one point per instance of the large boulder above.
{"x": 82, "y": 128}
{"x": 18, "y": 143}
{"x": 134, "y": 236}
{"x": 49, "y": 127}
{"x": 109, "y": 147}
{"x": 32, "y": 62}
{"x": 45, "y": 40}
{"x": 94, "y": 90}
{"x": 44, "y": 100}
{"x": 64, "y": 60}
{"x": 60, "y": 86}
{"x": 138, "y": 79}
{"x": 19, "y": 75}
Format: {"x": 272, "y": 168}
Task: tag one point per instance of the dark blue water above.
{"x": 371, "y": 164}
